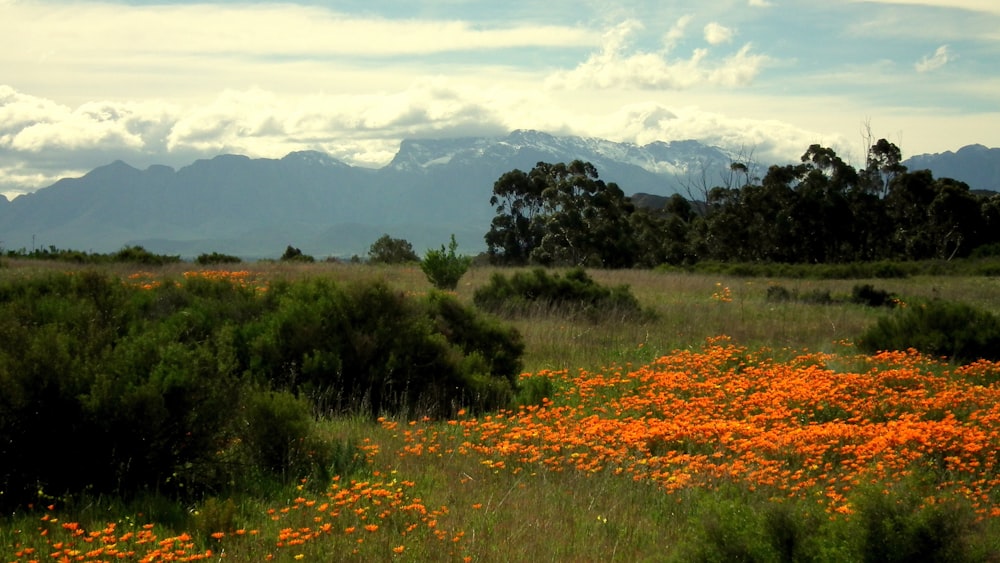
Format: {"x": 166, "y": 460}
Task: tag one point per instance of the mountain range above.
{"x": 254, "y": 208}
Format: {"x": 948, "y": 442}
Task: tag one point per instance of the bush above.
{"x": 938, "y": 328}
{"x": 867, "y": 295}
{"x": 369, "y": 348}
{"x": 445, "y": 268}
{"x": 388, "y": 250}
{"x": 574, "y": 293}
{"x": 293, "y": 254}
{"x": 216, "y": 258}
{"x": 275, "y": 426}
{"x": 148, "y": 389}
{"x": 139, "y": 255}
{"x": 896, "y": 523}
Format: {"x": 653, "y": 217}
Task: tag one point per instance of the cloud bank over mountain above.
{"x": 85, "y": 82}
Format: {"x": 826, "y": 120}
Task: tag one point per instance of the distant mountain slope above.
{"x": 976, "y": 165}
{"x": 255, "y": 207}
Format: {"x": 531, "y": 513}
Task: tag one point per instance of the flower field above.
{"x": 814, "y": 428}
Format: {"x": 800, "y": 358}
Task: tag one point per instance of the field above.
{"x": 728, "y": 427}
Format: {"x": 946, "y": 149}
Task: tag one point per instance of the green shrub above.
{"x": 139, "y": 255}
{"x": 147, "y": 389}
{"x": 276, "y": 425}
{"x": 444, "y": 268}
{"x": 293, "y": 254}
{"x": 216, "y": 258}
{"x": 574, "y": 293}
{"x": 867, "y": 295}
{"x": 368, "y": 348}
{"x": 388, "y": 250}
{"x": 778, "y": 293}
{"x": 895, "y": 523}
{"x": 938, "y": 328}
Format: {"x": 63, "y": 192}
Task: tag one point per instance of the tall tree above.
{"x": 561, "y": 214}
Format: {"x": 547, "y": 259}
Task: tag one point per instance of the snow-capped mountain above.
{"x": 256, "y": 207}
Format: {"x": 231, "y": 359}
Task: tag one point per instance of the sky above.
{"x": 84, "y": 83}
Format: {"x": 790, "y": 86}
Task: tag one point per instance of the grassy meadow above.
{"x": 726, "y": 427}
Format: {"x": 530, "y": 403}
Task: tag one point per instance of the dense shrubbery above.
{"x": 131, "y": 254}
{"x": 186, "y": 387}
{"x": 574, "y": 293}
{"x": 938, "y": 328}
{"x": 861, "y": 294}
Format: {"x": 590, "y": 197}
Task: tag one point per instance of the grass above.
{"x": 456, "y": 490}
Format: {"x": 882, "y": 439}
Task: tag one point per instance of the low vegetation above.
{"x": 294, "y": 411}
{"x": 571, "y": 294}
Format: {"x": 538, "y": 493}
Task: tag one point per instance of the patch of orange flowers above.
{"x": 241, "y": 278}
{"x": 799, "y": 427}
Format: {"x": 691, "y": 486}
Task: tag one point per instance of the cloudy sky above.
{"x": 83, "y": 83}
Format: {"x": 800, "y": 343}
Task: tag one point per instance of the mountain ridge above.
{"x": 254, "y": 207}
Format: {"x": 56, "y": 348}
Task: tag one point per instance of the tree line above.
{"x": 820, "y": 210}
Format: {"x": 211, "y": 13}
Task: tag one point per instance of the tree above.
{"x": 516, "y": 231}
{"x": 388, "y": 250}
{"x": 295, "y": 255}
{"x": 444, "y": 268}
{"x": 561, "y": 214}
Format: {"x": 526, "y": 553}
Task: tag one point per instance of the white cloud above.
{"x": 760, "y": 3}
{"x": 941, "y": 57}
{"x": 676, "y": 31}
{"x": 617, "y": 66}
{"x": 985, "y": 6}
{"x": 717, "y": 34}
{"x": 254, "y": 30}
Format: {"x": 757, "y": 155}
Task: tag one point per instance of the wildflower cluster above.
{"x": 143, "y": 280}
{"x": 722, "y": 294}
{"x": 70, "y": 541}
{"x": 370, "y": 519}
{"x": 241, "y": 278}
{"x": 798, "y": 428}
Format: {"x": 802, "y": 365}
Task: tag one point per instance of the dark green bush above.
{"x": 867, "y": 295}
{"x": 895, "y": 523}
{"x": 276, "y": 425}
{"x": 388, "y": 250}
{"x": 574, "y": 293}
{"x": 293, "y": 254}
{"x": 370, "y": 348}
{"x": 938, "y": 328}
{"x": 149, "y": 389}
{"x": 217, "y": 258}
{"x": 778, "y": 293}
{"x": 139, "y": 255}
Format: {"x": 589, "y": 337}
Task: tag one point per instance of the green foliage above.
{"x": 216, "y": 258}
{"x": 139, "y": 255}
{"x": 293, "y": 254}
{"x": 562, "y": 215}
{"x": 193, "y": 387}
{"x": 866, "y": 294}
{"x": 215, "y": 515}
{"x": 388, "y": 250}
{"x": 443, "y": 267}
{"x": 574, "y": 293}
{"x": 275, "y": 427}
{"x": 938, "y": 328}
{"x": 130, "y": 254}
{"x": 898, "y": 524}
{"x": 890, "y": 523}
